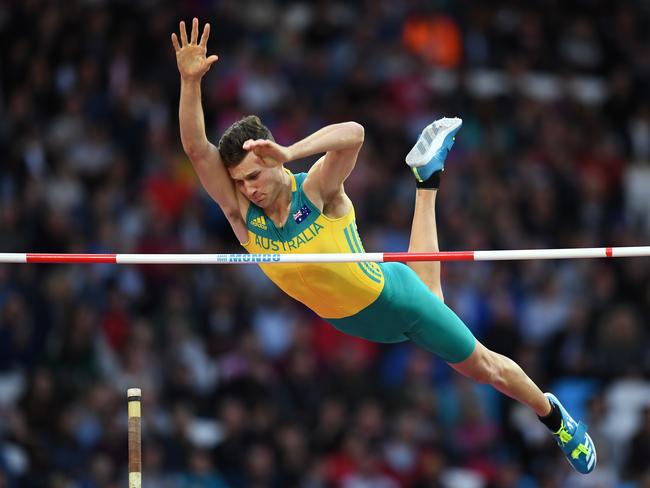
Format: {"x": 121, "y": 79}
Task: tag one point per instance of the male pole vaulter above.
{"x": 272, "y": 210}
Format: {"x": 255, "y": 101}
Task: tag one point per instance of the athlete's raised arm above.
{"x": 192, "y": 65}
{"x": 340, "y": 143}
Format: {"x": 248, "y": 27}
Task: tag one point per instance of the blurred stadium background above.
{"x": 244, "y": 388}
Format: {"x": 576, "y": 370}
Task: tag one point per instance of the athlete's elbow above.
{"x": 357, "y": 132}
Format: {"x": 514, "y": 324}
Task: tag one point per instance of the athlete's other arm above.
{"x": 341, "y": 144}
{"x": 192, "y": 65}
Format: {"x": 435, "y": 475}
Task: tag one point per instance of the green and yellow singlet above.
{"x": 332, "y": 290}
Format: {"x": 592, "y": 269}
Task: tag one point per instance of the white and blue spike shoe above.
{"x": 574, "y": 441}
{"x": 429, "y": 153}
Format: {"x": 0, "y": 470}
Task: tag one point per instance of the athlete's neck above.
{"x": 279, "y": 209}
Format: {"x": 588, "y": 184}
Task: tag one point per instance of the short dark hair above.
{"x": 231, "y": 142}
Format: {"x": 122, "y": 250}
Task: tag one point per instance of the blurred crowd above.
{"x": 243, "y": 387}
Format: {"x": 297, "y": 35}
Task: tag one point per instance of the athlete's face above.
{"x": 257, "y": 182}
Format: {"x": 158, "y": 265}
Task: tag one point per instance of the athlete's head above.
{"x": 231, "y": 142}
{"x": 258, "y": 182}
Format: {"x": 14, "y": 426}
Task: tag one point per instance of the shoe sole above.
{"x": 423, "y": 151}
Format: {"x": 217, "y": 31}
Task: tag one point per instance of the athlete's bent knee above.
{"x": 438, "y": 292}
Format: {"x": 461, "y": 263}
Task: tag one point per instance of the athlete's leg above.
{"x": 445, "y": 335}
{"x": 440, "y": 331}
{"x": 427, "y": 160}
{"x": 486, "y": 366}
{"x": 424, "y": 238}
{"x": 505, "y": 375}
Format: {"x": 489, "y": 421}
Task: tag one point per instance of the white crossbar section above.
{"x": 629, "y": 252}
{"x": 13, "y": 257}
{"x": 593, "y": 252}
{"x": 246, "y": 258}
{"x": 521, "y": 254}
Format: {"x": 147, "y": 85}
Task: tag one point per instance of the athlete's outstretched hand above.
{"x": 190, "y": 55}
{"x": 272, "y": 153}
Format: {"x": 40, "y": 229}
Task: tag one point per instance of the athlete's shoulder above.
{"x": 310, "y": 184}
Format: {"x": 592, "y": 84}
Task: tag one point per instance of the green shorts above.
{"x": 407, "y": 309}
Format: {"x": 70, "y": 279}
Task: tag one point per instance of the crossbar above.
{"x": 376, "y": 257}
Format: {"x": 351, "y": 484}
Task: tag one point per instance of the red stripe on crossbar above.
{"x": 428, "y": 256}
{"x": 608, "y": 252}
{"x": 71, "y": 258}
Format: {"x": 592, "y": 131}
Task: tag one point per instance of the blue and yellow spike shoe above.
{"x": 574, "y": 441}
{"x": 429, "y": 153}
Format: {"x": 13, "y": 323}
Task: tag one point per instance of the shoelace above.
{"x": 580, "y": 449}
{"x": 565, "y": 436}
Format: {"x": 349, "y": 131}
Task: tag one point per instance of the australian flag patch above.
{"x": 301, "y": 214}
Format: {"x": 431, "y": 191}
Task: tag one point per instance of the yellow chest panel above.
{"x": 332, "y": 290}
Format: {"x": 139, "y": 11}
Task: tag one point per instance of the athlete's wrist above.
{"x": 191, "y": 81}
{"x": 290, "y": 153}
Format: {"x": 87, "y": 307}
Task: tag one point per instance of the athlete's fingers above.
{"x": 205, "y": 35}
{"x": 183, "y": 33}
{"x": 195, "y": 30}
{"x": 265, "y": 144}
{"x": 247, "y": 144}
{"x": 177, "y": 47}
{"x": 256, "y": 144}
{"x": 212, "y": 59}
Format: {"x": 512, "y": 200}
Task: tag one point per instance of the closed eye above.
{"x": 250, "y": 177}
